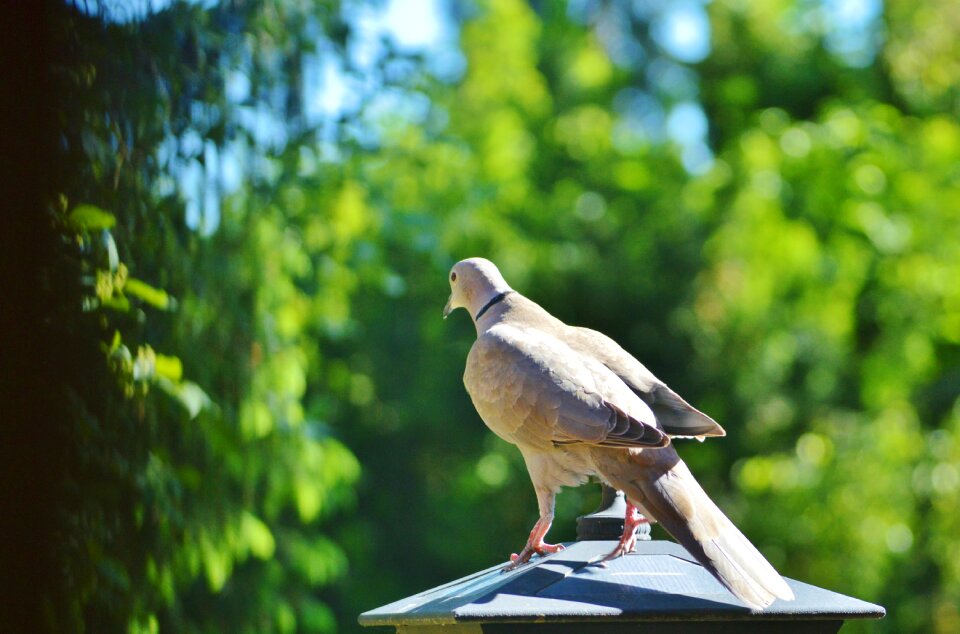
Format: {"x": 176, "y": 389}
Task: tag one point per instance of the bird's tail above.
{"x": 676, "y": 500}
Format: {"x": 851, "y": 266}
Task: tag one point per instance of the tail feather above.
{"x": 677, "y": 501}
{"x": 743, "y": 570}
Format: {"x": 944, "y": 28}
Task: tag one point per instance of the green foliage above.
{"x": 796, "y": 282}
{"x": 87, "y": 218}
{"x": 169, "y": 502}
{"x": 828, "y": 297}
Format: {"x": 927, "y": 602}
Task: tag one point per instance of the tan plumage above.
{"x": 576, "y": 404}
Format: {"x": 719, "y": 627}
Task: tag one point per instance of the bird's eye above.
{"x": 453, "y": 276}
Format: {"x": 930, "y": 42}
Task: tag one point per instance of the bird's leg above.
{"x": 535, "y": 543}
{"x": 628, "y": 541}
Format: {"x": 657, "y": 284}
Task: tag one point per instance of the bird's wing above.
{"x": 675, "y": 415}
{"x": 533, "y": 389}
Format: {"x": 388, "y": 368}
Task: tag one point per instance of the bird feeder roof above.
{"x": 659, "y": 582}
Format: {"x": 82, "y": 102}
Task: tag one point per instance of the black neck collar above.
{"x": 496, "y": 300}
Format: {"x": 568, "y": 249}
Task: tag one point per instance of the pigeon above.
{"x": 578, "y": 405}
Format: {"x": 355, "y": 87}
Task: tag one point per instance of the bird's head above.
{"x": 473, "y": 283}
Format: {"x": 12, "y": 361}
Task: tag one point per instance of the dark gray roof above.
{"x": 659, "y": 582}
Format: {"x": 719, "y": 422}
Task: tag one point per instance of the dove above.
{"x": 577, "y": 405}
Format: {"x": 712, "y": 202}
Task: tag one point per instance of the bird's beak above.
{"x": 448, "y": 308}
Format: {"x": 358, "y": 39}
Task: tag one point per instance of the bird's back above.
{"x": 531, "y": 387}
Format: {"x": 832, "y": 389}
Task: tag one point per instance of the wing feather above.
{"x": 531, "y": 388}
{"x": 675, "y": 416}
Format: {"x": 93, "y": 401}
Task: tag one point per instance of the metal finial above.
{"x": 606, "y": 523}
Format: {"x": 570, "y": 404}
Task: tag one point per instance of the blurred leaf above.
{"x": 286, "y": 617}
{"x": 113, "y": 256}
{"x": 317, "y": 617}
{"x": 319, "y": 560}
{"x": 257, "y": 535}
{"x": 156, "y": 297}
{"x": 168, "y": 367}
{"x": 189, "y": 394}
{"x": 117, "y": 303}
{"x": 145, "y": 364}
{"x": 90, "y": 218}
{"x": 255, "y": 419}
{"x": 217, "y": 563}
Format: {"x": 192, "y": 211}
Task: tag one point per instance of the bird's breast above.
{"x": 506, "y": 404}
{"x": 556, "y": 467}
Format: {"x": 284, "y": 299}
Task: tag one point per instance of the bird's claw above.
{"x": 623, "y": 548}
{"x": 515, "y": 562}
{"x": 542, "y": 549}
{"x": 628, "y": 541}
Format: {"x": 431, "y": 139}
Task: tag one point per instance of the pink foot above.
{"x": 628, "y": 541}
{"x": 517, "y": 560}
{"x": 535, "y": 544}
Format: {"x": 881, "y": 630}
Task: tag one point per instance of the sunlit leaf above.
{"x": 117, "y": 303}
{"x": 319, "y": 559}
{"x": 110, "y": 245}
{"x": 90, "y": 218}
{"x": 217, "y": 564}
{"x": 154, "y": 296}
{"x": 308, "y": 497}
{"x": 257, "y": 535}
{"x": 168, "y": 367}
{"x": 255, "y": 419}
{"x": 285, "y": 617}
{"x": 145, "y": 364}
{"x": 189, "y": 394}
